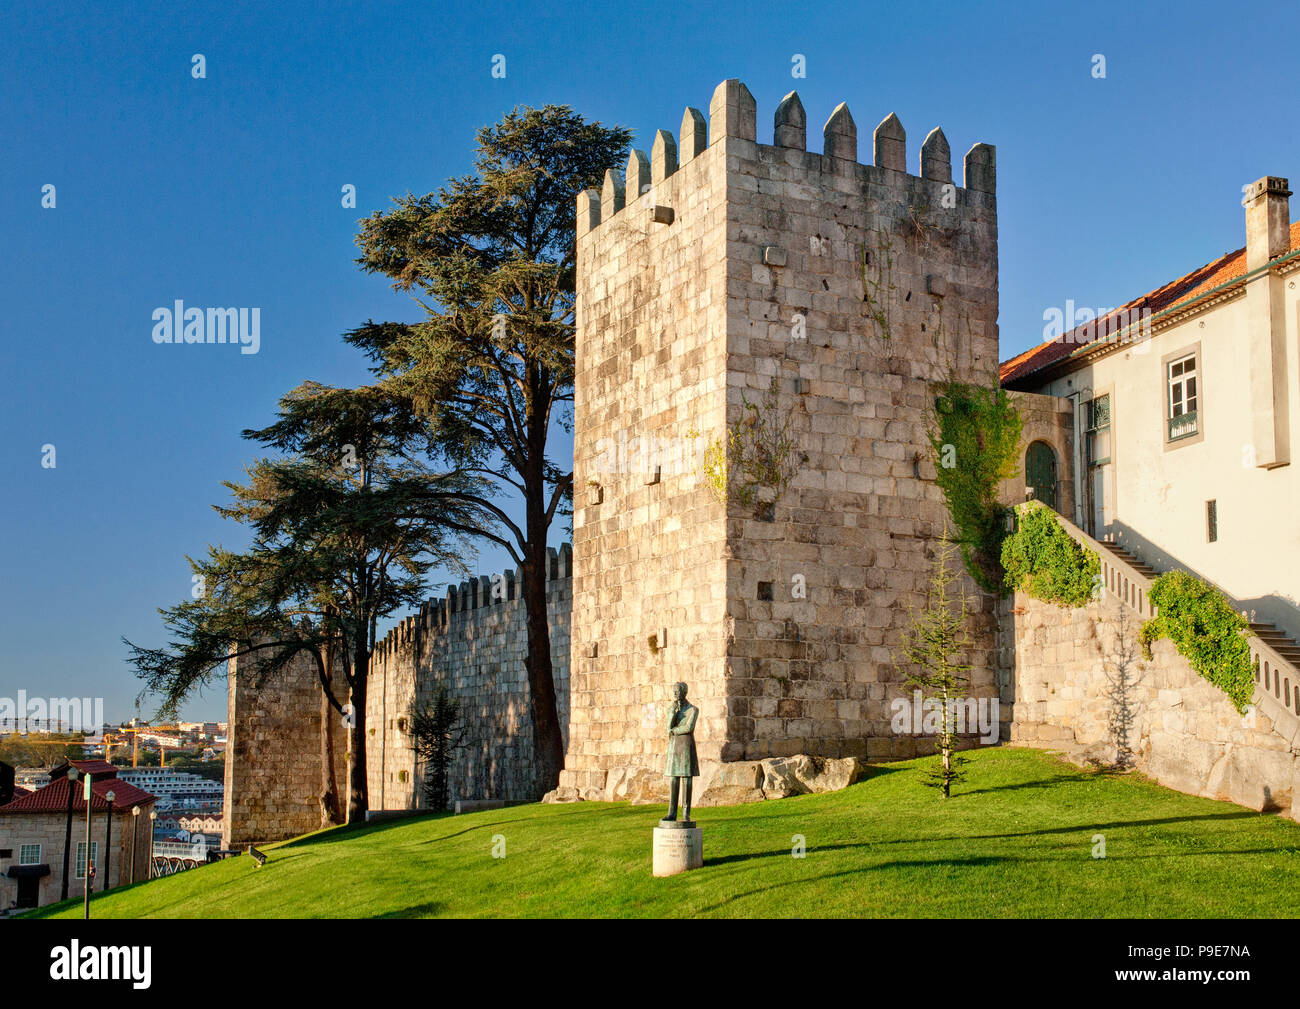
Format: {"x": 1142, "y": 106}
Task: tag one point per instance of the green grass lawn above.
{"x": 1016, "y": 840}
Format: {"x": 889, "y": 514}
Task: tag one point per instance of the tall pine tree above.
{"x": 490, "y": 260}
{"x": 338, "y": 544}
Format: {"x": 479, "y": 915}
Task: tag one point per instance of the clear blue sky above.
{"x": 226, "y": 192}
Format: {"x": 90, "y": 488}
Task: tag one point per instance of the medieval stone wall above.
{"x": 649, "y": 541}
{"x": 802, "y": 303}
{"x": 474, "y": 643}
{"x": 1077, "y": 682}
{"x": 273, "y": 751}
{"x": 1049, "y": 419}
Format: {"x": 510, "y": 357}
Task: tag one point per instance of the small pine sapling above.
{"x": 437, "y": 734}
{"x": 934, "y": 645}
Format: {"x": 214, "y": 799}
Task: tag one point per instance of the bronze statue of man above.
{"x": 682, "y": 764}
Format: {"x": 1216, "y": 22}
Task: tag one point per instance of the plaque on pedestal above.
{"x": 678, "y": 846}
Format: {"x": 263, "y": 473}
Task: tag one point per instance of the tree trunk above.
{"x": 948, "y": 741}
{"x": 358, "y": 791}
{"x": 548, "y": 741}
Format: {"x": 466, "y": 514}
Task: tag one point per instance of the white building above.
{"x": 32, "y": 778}
{"x": 175, "y": 789}
{"x": 1186, "y": 415}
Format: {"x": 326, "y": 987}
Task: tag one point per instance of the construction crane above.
{"x": 149, "y": 730}
{"x": 135, "y": 743}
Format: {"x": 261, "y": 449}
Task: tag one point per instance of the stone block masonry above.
{"x": 833, "y": 292}
{"x": 473, "y": 642}
{"x": 48, "y": 830}
{"x": 727, "y": 286}
{"x": 714, "y": 274}
{"x": 273, "y": 751}
{"x": 1076, "y": 677}
{"x": 1050, "y": 420}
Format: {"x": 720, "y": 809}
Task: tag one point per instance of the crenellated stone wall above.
{"x": 472, "y": 641}
{"x": 726, "y": 288}
{"x": 720, "y": 273}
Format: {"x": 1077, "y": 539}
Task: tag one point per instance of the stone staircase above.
{"x": 1283, "y": 645}
{"x": 1133, "y": 561}
{"x": 1275, "y": 655}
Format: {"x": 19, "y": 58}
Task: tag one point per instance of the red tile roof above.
{"x": 95, "y": 768}
{"x": 54, "y": 797}
{"x": 1186, "y": 288}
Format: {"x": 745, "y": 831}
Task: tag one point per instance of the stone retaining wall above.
{"x": 1076, "y": 680}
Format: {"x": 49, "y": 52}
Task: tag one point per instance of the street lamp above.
{"x": 135, "y": 831}
{"x": 108, "y": 839}
{"x": 88, "y": 795}
{"x": 67, "y": 836}
{"x": 153, "y": 815}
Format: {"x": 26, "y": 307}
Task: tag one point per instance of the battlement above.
{"x": 438, "y": 615}
{"x": 721, "y": 281}
{"x": 733, "y": 115}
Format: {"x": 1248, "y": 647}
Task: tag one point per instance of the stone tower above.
{"x": 728, "y": 288}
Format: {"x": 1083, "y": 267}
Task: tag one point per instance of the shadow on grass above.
{"x": 870, "y": 771}
{"x": 468, "y": 830}
{"x": 1055, "y": 782}
{"x": 350, "y": 831}
{"x": 973, "y": 862}
{"x": 1111, "y": 825}
{"x": 415, "y": 911}
{"x": 1044, "y": 832}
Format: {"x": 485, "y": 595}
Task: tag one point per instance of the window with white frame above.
{"x": 29, "y": 854}
{"x": 1182, "y": 397}
{"x": 81, "y": 857}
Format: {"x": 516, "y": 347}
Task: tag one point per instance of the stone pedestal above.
{"x": 678, "y": 846}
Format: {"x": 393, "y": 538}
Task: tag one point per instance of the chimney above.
{"x": 1268, "y": 235}
{"x": 1268, "y": 220}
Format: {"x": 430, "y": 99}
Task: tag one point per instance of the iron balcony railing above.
{"x": 1182, "y": 426}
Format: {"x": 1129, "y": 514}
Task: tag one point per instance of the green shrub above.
{"x": 1206, "y": 630}
{"x": 975, "y": 436}
{"x": 1041, "y": 558}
